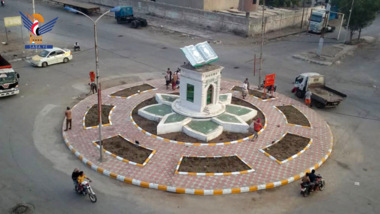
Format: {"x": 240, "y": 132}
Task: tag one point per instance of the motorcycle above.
{"x": 2, "y": 3}
{"x": 307, "y": 188}
{"x": 86, "y": 190}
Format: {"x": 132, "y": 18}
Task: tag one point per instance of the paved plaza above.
{"x": 159, "y": 171}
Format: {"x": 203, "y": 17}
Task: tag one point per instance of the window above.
{"x": 316, "y": 18}
{"x": 60, "y": 52}
{"x": 44, "y": 53}
{"x": 52, "y": 54}
{"x": 210, "y": 91}
{"x": 190, "y": 93}
{"x": 299, "y": 79}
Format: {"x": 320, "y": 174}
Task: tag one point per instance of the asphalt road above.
{"x": 36, "y": 165}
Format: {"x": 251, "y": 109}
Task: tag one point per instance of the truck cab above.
{"x": 300, "y": 83}
{"x": 8, "y": 79}
{"x": 317, "y": 21}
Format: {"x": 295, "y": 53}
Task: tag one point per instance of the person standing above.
{"x": 92, "y": 82}
{"x": 174, "y": 81}
{"x": 247, "y": 82}
{"x": 167, "y": 78}
{"x": 178, "y": 77}
{"x": 68, "y": 118}
{"x": 170, "y": 74}
{"x": 308, "y": 98}
{"x": 244, "y": 91}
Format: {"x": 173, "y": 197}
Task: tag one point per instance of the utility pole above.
{"x": 97, "y": 71}
{"x": 303, "y": 12}
{"x": 348, "y": 21}
{"x": 322, "y": 39}
{"x": 34, "y": 9}
{"x": 262, "y": 43}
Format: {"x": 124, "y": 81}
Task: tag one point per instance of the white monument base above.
{"x": 210, "y": 110}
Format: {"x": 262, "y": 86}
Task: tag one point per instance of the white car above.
{"x": 51, "y": 56}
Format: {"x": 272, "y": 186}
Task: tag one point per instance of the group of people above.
{"x": 78, "y": 178}
{"x": 172, "y": 78}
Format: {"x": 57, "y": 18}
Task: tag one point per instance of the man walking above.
{"x": 68, "y": 118}
{"x": 257, "y": 126}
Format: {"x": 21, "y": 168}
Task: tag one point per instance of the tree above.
{"x": 363, "y": 14}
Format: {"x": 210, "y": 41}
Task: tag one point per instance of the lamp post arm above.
{"x": 85, "y": 15}
{"x": 102, "y": 16}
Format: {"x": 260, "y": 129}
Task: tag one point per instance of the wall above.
{"x": 211, "y": 5}
{"x": 197, "y": 4}
{"x": 211, "y": 20}
{"x": 277, "y": 22}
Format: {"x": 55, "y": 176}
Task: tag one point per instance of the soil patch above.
{"x": 294, "y": 116}
{"x": 151, "y": 126}
{"x": 256, "y": 93}
{"x": 212, "y": 165}
{"x": 133, "y": 90}
{"x": 92, "y": 115}
{"x": 125, "y": 149}
{"x": 288, "y": 146}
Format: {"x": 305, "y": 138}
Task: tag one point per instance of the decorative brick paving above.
{"x": 159, "y": 172}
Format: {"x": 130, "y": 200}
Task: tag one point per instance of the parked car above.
{"x": 51, "y": 56}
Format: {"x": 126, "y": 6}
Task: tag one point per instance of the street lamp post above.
{"x": 262, "y": 42}
{"x": 34, "y": 10}
{"x": 348, "y": 21}
{"x": 97, "y": 68}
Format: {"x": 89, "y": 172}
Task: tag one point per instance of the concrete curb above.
{"x": 291, "y": 124}
{"x": 198, "y": 144}
{"x": 212, "y": 173}
{"x": 297, "y": 56}
{"x": 290, "y": 158}
{"x": 123, "y": 159}
{"x": 103, "y": 125}
{"x": 141, "y": 92}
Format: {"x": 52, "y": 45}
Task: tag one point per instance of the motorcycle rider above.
{"x": 313, "y": 179}
{"x": 75, "y": 176}
{"x": 81, "y": 178}
{"x": 306, "y": 181}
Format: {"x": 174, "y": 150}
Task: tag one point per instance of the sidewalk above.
{"x": 333, "y": 53}
{"x": 329, "y": 56}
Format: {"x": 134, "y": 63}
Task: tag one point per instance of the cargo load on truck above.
{"x": 8, "y": 79}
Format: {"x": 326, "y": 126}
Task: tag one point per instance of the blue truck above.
{"x": 125, "y": 15}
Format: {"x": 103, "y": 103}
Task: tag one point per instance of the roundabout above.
{"x": 260, "y": 166}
